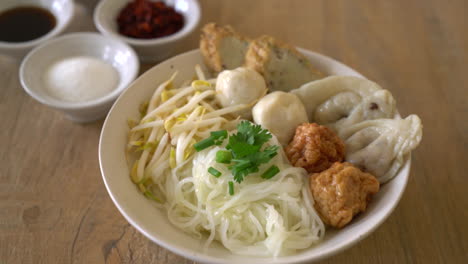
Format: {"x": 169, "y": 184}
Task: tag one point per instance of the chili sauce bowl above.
{"x": 62, "y": 10}
{"x": 111, "y": 51}
{"x": 148, "y": 50}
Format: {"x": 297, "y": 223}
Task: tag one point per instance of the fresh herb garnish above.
{"x": 248, "y": 139}
{"x": 215, "y": 138}
{"x": 244, "y": 153}
{"x": 219, "y": 136}
{"x": 214, "y": 172}
{"x": 246, "y": 146}
{"x": 272, "y": 171}
{"x": 205, "y": 143}
{"x": 231, "y": 188}
{"x": 223, "y": 156}
{"x": 250, "y": 163}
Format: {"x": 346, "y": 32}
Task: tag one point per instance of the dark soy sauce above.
{"x": 25, "y": 23}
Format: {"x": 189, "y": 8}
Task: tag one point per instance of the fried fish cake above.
{"x": 341, "y": 192}
{"x": 315, "y": 148}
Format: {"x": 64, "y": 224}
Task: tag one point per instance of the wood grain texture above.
{"x": 54, "y": 207}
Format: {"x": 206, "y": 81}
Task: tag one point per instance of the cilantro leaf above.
{"x": 252, "y": 134}
{"x": 248, "y": 139}
{"x": 245, "y": 147}
{"x": 251, "y": 163}
{"x": 240, "y": 169}
{"x": 260, "y": 135}
{"x": 239, "y": 147}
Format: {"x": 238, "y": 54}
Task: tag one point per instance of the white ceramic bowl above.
{"x": 112, "y": 51}
{"x": 61, "y": 9}
{"x": 154, "y": 224}
{"x": 149, "y": 50}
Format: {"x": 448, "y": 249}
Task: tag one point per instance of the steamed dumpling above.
{"x": 340, "y": 101}
{"x": 281, "y": 113}
{"x": 240, "y": 86}
{"x": 380, "y": 104}
{"x": 380, "y": 146}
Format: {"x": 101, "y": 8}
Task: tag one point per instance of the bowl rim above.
{"x": 64, "y": 105}
{"x": 203, "y": 257}
{"x": 57, "y": 30}
{"x": 183, "y": 32}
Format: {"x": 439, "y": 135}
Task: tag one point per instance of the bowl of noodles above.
{"x": 148, "y": 214}
{"x": 253, "y": 151}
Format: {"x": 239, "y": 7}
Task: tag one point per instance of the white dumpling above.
{"x": 280, "y": 113}
{"x": 381, "y": 146}
{"x": 339, "y": 101}
{"x": 240, "y": 86}
{"x": 380, "y": 104}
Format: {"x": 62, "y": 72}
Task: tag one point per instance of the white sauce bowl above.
{"x": 112, "y": 51}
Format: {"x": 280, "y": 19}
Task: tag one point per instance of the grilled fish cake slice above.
{"x": 222, "y": 47}
{"x": 282, "y": 66}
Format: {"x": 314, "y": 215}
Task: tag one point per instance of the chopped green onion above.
{"x": 219, "y": 136}
{"x": 206, "y": 143}
{"x": 223, "y": 156}
{"x": 231, "y": 188}
{"x": 214, "y": 172}
{"x": 272, "y": 171}
{"x": 216, "y": 138}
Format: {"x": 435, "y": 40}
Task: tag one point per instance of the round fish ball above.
{"x": 281, "y": 113}
{"x": 240, "y": 86}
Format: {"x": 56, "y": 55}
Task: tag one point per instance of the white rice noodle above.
{"x": 263, "y": 218}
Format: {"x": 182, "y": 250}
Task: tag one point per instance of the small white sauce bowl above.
{"x": 149, "y": 50}
{"x": 62, "y": 11}
{"x": 112, "y": 51}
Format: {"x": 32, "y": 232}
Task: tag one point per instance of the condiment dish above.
{"x": 153, "y": 222}
{"x": 149, "y": 50}
{"x": 62, "y": 11}
{"x": 112, "y": 51}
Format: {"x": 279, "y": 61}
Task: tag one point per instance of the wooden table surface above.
{"x": 54, "y": 207}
